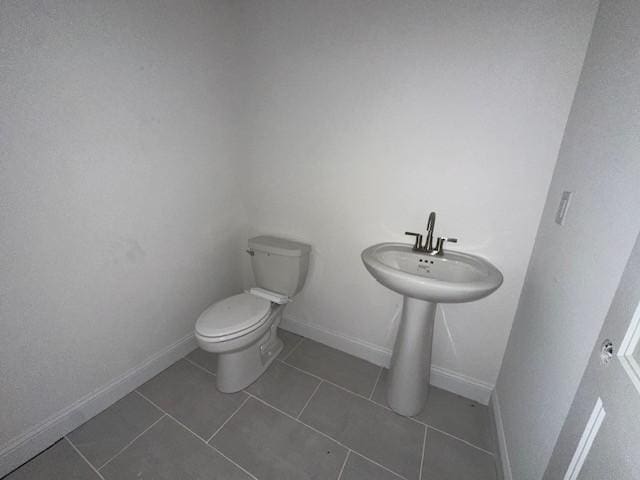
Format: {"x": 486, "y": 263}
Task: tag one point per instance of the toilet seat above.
{"x": 233, "y": 317}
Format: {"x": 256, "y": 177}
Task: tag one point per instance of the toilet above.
{"x": 242, "y": 329}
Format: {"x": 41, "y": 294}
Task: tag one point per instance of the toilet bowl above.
{"x": 242, "y": 329}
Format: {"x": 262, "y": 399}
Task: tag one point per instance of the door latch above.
{"x": 606, "y": 352}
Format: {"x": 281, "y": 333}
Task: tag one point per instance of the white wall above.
{"x": 363, "y": 116}
{"x": 119, "y": 210}
{"x": 575, "y": 269}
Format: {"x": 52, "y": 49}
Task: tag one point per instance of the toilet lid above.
{"x": 232, "y": 315}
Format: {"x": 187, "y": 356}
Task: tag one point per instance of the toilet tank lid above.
{"x": 279, "y": 246}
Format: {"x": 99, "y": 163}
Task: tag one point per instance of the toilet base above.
{"x": 239, "y": 369}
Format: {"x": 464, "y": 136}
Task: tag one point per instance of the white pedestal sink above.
{"x": 424, "y": 280}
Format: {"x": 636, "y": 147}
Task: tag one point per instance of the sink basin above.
{"x": 424, "y": 281}
{"x": 453, "y": 277}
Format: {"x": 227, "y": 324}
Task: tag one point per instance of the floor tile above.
{"x": 380, "y": 393}
{"x": 107, "y": 433}
{"x": 374, "y": 431}
{"x": 446, "y": 458}
{"x": 284, "y": 387}
{"x": 190, "y": 395}
{"x": 459, "y": 416}
{"x": 209, "y": 360}
{"x": 450, "y": 413}
{"x": 338, "y": 367}
{"x": 273, "y": 446}
{"x": 290, "y": 340}
{"x": 205, "y": 359}
{"x": 359, "y": 468}
{"x": 167, "y": 451}
{"x": 60, "y": 461}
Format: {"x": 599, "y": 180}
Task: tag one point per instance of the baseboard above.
{"x": 25, "y": 446}
{"x": 461, "y": 384}
{"x": 503, "y": 464}
{"x": 440, "y": 377}
{"x": 358, "y": 348}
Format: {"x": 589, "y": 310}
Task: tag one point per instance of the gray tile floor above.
{"x": 316, "y": 413}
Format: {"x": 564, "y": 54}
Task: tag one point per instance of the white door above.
{"x": 601, "y": 435}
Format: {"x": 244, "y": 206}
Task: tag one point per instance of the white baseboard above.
{"x": 28, "y": 444}
{"x": 503, "y": 463}
{"x": 461, "y": 384}
{"x": 358, "y": 348}
{"x": 440, "y": 377}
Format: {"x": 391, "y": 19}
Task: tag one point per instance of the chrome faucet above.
{"x": 431, "y": 225}
{"x": 427, "y": 247}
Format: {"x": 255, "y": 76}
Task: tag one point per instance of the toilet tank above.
{"x": 279, "y": 265}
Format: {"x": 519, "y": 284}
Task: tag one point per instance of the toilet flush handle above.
{"x": 251, "y": 252}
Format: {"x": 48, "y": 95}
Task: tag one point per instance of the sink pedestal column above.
{"x": 411, "y": 360}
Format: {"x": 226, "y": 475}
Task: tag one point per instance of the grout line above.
{"x": 380, "y": 465}
{"x": 424, "y": 446}
{"x": 131, "y": 442}
{"x": 301, "y": 370}
{"x": 283, "y": 361}
{"x": 170, "y": 416}
{"x": 325, "y": 435}
{"x": 376, "y": 384}
{"x": 344, "y": 463}
{"x": 227, "y": 420}
{"x": 151, "y": 401}
{"x": 297, "y": 419}
{"x": 309, "y": 399}
{"x": 286, "y": 415}
{"x": 415, "y": 420}
{"x": 334, "y": 384}
{"x": 200, "y": 438}
{"x": 83, "y": 457}
{"x": 199, "y": 366}
{"x": 386, "y": 407}
{"x": 231, "y": 461}
{"x": 461, "y": 440}
{"x": 294, "y": 348}
{"x": 323, "y": 380}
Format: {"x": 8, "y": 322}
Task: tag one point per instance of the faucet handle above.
{"x": 418, "y": 243}
{"x": 440, "y": 244}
